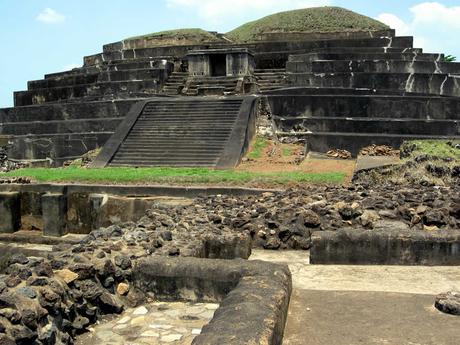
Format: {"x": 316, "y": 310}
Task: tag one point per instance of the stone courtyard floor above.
{"x": 156, "y": 323}
{"x": 368, "y": 305}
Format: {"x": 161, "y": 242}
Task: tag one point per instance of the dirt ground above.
{"x": 278, "y": 157}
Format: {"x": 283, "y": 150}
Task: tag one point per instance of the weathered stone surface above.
{"x": 54, "y": 214}
{"x": 10, "y": 212}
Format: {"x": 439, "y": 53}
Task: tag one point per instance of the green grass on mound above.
{"x": 195, "y": 35}
{"x": 172, "y": 175}
{"x": 437, "y": 148}
{"x": 309, "y": 20}
{"x": 260, "y": 144}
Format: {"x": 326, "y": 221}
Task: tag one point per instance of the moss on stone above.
{"x": 309, "y": 20}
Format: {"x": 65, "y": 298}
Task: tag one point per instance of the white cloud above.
{"x": 215, "y": 11}
{"x": 432, "y": 24}
{"x": 50, "y": 16}
{"x": 395, "y": 23}
{"x": 436, "y": 13}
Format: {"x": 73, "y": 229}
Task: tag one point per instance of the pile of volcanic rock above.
{"x": 5, "y": 164}
{"x": 425, "y": 170}
{"x": 379, "y": 150}
{"x": 51, "y": 300}
{"x": 339, "y": 154}
{"x": 287, "y": 219}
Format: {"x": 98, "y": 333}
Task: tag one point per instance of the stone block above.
{"x": 54, "y": 214}
{"x": 10, "y": 212}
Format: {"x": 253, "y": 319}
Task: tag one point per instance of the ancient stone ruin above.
{"x": 192, "y": 98}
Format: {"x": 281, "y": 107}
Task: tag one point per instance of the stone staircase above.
{"x": 270, "y": 79}
{"x": 175, "y": 83}
{"x": 180, "y": 84}
{"x": 190, "y": 131}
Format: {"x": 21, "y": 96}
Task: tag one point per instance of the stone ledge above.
{"x": 254, "y": 295}
{"x": 389, "y": 247}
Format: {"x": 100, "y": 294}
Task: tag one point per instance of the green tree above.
{"x": 449, "y": 58}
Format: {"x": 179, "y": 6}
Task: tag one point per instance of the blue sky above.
{"x": 45, "y": 36}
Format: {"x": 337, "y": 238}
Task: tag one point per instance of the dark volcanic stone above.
{"x": 455, "y": 171}
{"x": 435, "y": 217}
{"x": 311, "y": 219}
{"x": 174, "y": 251}
{"x": 89, "y": 289}
{"x": 44, "y": 270}
{"x": 7, "y": 300}
{"x": 29, "y": 318}
{"x": 438, "y": 171}
{"x": 109, "y": 304}
{"x": 84, "y": 271}
{"x": 18, "y": 259}
{"x": 449, "y": 303}
{"x": 273, "y": 243}
{"x": 49, "y": 299}
{"x": 37, "y": 281}
{"x": 123, "y": 262}
{"x": 80, "y": 323}
{"x": 166, "y": 235}
{"x": 11, "y": 314}
{"x": 12, "y": 281}
{"x": 23, "y": 335}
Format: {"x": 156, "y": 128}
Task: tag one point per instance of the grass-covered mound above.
{"x": 309, "y": 20}
{"x": 179, "y": 37}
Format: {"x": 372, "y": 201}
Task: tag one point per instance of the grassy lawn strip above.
{"x": 171, "y": 175}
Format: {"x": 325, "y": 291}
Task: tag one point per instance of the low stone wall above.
{"x": 59, "y": 209}
{"x": 253, "y": 295}
{"x": 392, "y": 247}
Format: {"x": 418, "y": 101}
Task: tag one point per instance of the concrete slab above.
{"x": 369, "y": 305}
{"x": 372, "y": 162}
{"x": 397, "y": 279}
{"x": 368, "y": 318}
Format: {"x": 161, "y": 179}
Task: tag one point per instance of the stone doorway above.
{"x": 218, "y": 64}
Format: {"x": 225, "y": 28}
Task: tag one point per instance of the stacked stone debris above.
{"x": 5, "y": 163}
{"x": 51, "y": 300}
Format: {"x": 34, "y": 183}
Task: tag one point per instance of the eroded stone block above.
{"x": 10, "y": 212}
{"x": 54, "y": 214}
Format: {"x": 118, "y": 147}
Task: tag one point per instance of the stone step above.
{"x": 113, "y": 65}
{"x": 365, "y": 106}
{"x": 187, "y": 148}
{"x": 66, "y": 111}
{"x": 404, "y": 126}
{"x": 77, "y": 79}
{"x": 354, "y": 142}
{"x": 430, "y": 84}
{"x": 379, "y": 66}
{"x": 96, "y": 91}
{"x": 361, "y": 56}
{"x": 60, "y": 126}
{"x": 179, "y": 163}
{"x": 182, "y": 51}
